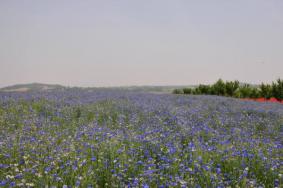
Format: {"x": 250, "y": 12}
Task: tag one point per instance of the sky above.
{"x": 140, "y": 42}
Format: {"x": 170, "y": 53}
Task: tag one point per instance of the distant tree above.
{"x": 245, "y": 91}
{"x": 231, "y": 87}
{"x": 178, "y": 91}
{"x": 254, "y": 93}
{"x": 204, "y": 89}
{"x": 234, "y": 89}
{"x": 218, "y": 88}
{"x": 237, "y": 93}
{"x": 196, "y": 91}
{"x": 277, "y": 90}
{"x": 187, "y": 91}
{"x": 265, "y": 91}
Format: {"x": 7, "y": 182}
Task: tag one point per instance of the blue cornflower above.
{"x": 149, "y": 172}
{"x": 218, "y": 170}
{"x": 93, "y": 159}
{"x": 22, "y": 161}
{"x": 276, "y": 183}
{"x": 3, "y": 183}
{"x": 18, "y": 176}
{"x": 4, "y": 166}
{"x": 145, "y": 185}
{"x": 12, "y": 184}
{"x": 78, "y": 183}
{"x": 47, "y": 169}
{"x": 172, "y": 150}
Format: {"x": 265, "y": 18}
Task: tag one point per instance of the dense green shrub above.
{"x": 219, "y": 88}
{"x": 235, "y": 89}
{"x": 187, "y": 90}
{"x": 203, "y": 89}
{"x": 277, "y": 90}
{"x": 231, "y": 87}
{"x": 245, "y": 91}
{"x": 255, "y": 93}
{"x": 178, "y": 91}
{"x": 265, "y": 91}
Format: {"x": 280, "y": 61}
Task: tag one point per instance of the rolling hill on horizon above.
{"x": 47, "y": 87}
{"x": 31, "y": 87}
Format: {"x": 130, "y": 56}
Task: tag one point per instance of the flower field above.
{"x": 115, "y": 138}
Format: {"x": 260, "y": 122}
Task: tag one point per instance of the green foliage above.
{"x": 78, "y": 113}
{"x": 231, "y": 87}
{"x": 277, "y": 89}
{"x": 178, "y": 91}
{"x": 254, "y": 93}
{"x": 203, "y": 89}
{"x": 187, "y": 90}
{"x": 234, "y": 89}
{"x": 265, "y": 91}
{"x": 219, "y": 88}
{"x": 245, "y": 91}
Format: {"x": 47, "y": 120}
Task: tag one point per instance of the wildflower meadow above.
{"x": 116, "y": 138}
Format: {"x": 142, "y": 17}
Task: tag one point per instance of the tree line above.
{"x": 235, "y": 89}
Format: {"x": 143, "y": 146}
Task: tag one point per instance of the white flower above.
{"x": 30, "y": 184}
{"x": 38, "y": 175}
{"x": 10, "y": 177}
{"x": 20, "y": 184}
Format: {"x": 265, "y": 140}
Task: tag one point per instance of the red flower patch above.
{"x": 264, "y": 100}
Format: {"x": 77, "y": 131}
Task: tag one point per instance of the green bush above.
{"x": 234, "y": 89}
{"x": 277, "y": 90}
{"x": 255, "y": 93}
{"x": 245, "y": 91}
{"x": 178, "y": 91}
{"x": 265, "y": 91}
{"x": 187, "y": 90}
{"x": 204, "y": 89}
{"x": 231, "y": 87}
{"x": 218, "y": 88}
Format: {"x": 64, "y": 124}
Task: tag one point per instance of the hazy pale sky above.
{"x": 140, "y": 42}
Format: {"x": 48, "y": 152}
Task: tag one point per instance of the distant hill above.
{"x": 31, "y": 87}
{"x": 48, "y": 87}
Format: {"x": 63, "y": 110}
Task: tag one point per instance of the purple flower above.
{"x": 78, "y": 183}
{"x": 218, "y": 170}
{"x": 3, "y": 183}
{"x": 19, "y": 176}
{"x": 93, "y": 159}
{"x": 149, "y": 172}
{"x": 47, "y": 169}
{"x": 145, "y": 185}
{"x": 12, "y": 184}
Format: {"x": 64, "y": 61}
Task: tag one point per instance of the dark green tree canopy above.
{"x": 235, "y": 89}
